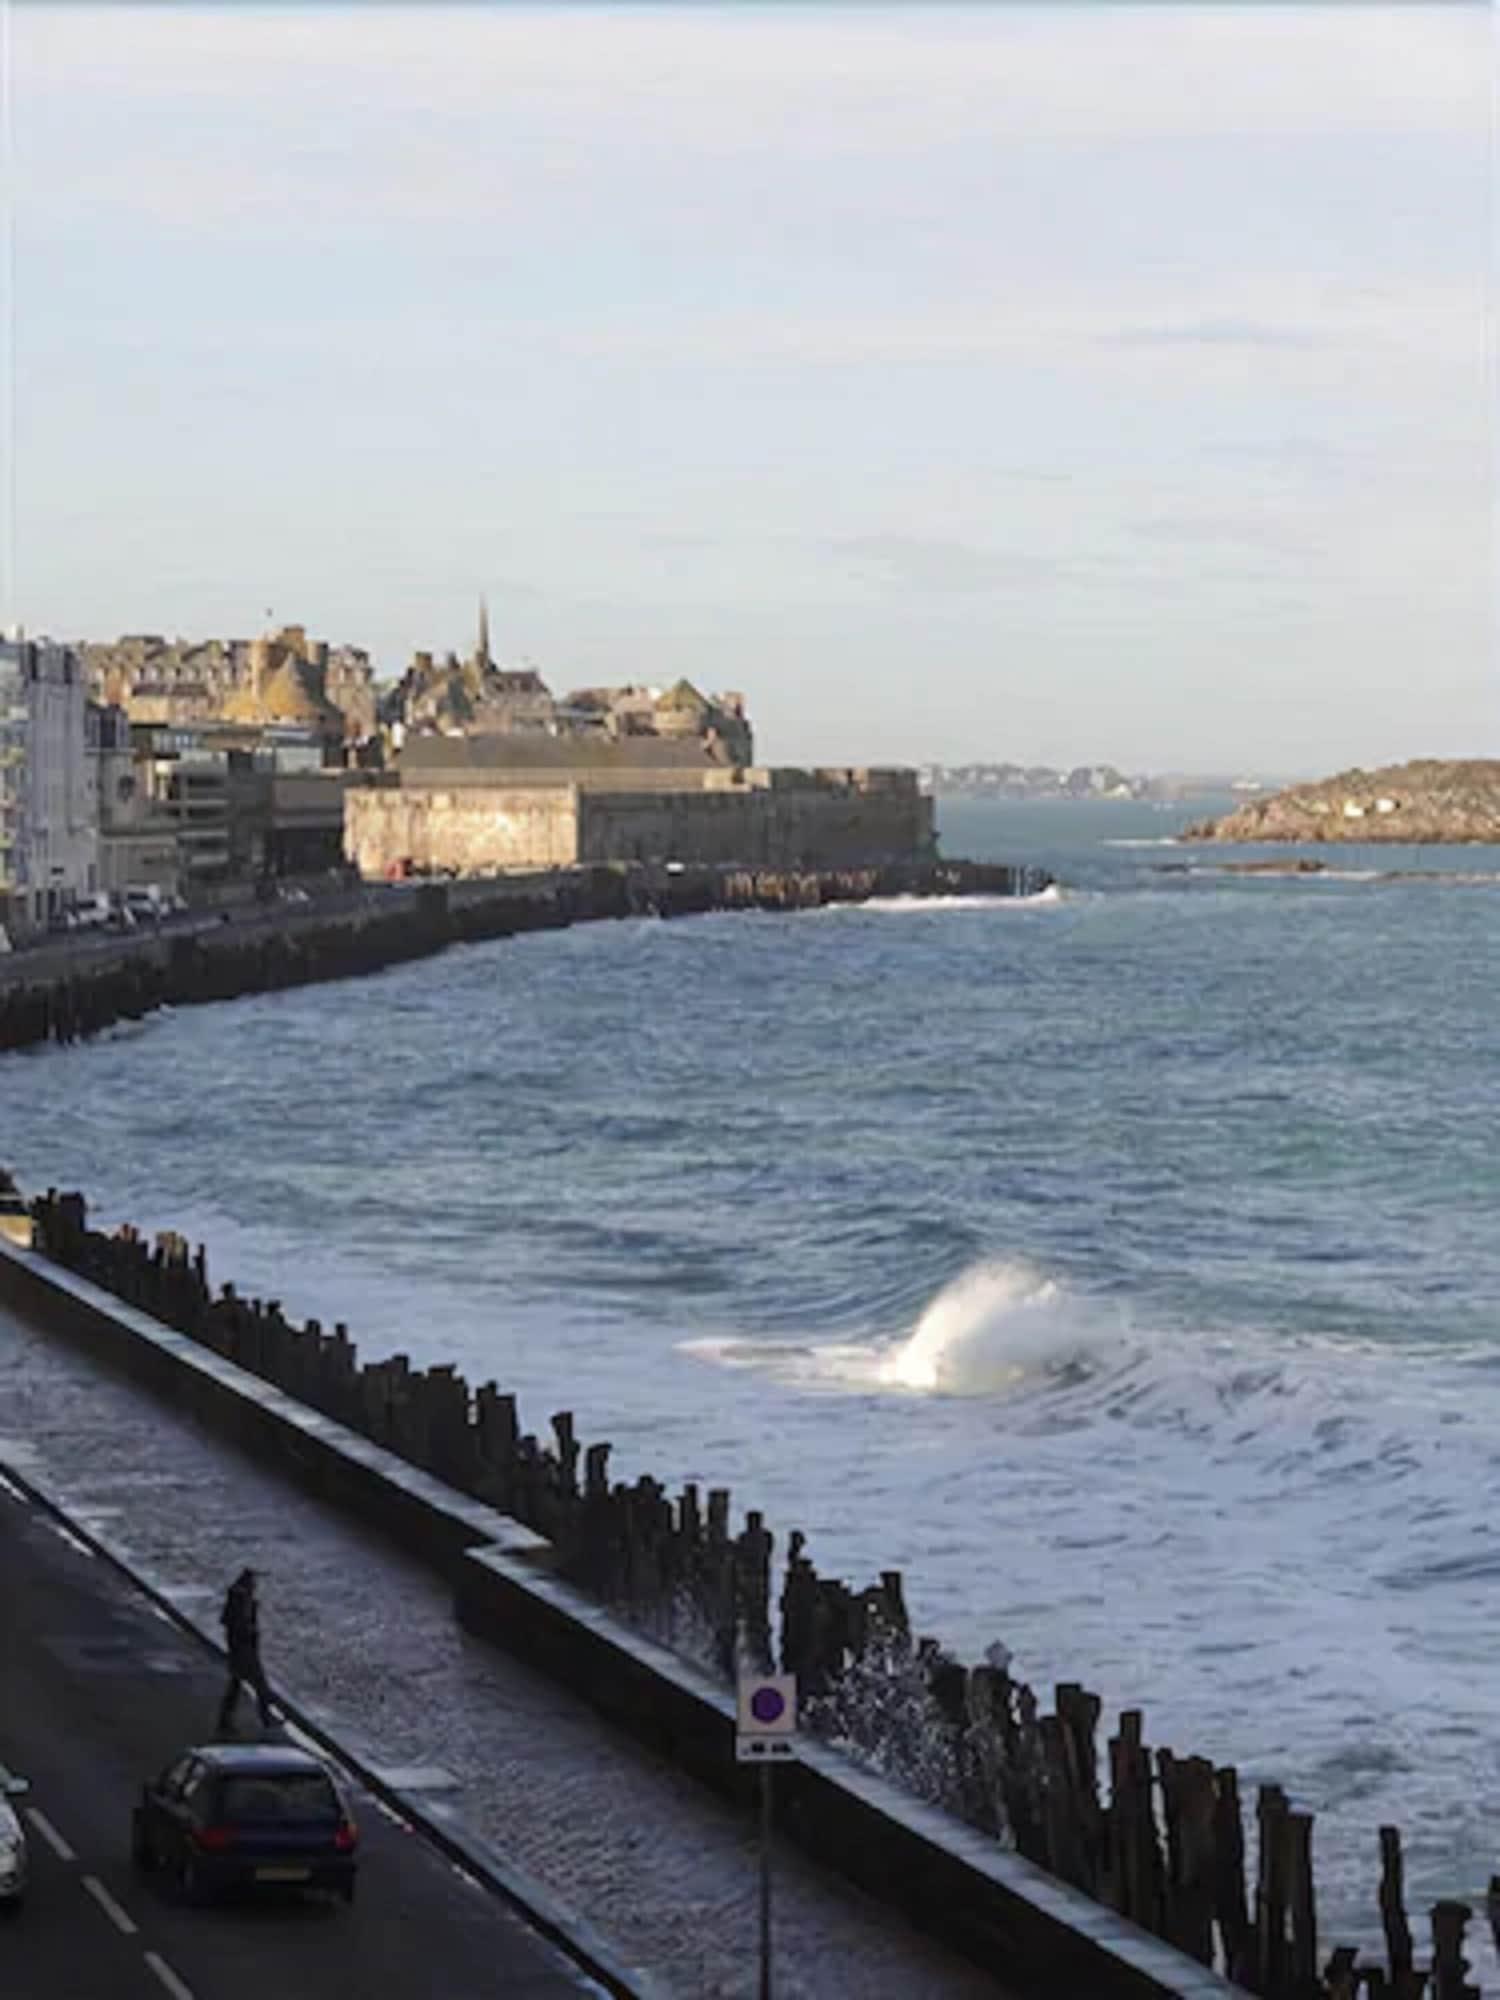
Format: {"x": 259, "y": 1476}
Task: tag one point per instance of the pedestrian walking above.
{"x": 240, "y": 1618}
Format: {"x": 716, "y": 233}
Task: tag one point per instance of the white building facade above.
{"x": 49, "y": 826}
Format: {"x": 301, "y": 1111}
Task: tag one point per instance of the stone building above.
{"x": 475, "y": 697}
{"x": 49, "y": 830}
{"x": 181, "y": 682}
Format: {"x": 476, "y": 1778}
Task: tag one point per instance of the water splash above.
{"x": 999, "y": 1324}
{"x": 908, "y": 906}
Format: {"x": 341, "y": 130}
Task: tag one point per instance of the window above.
{"x": 279, "y": 1795}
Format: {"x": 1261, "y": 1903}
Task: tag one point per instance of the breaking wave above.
{"x": 999, "y": 1324}
{"x": 909, "y": 905}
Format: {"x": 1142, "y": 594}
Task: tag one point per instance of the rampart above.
{"x": 473, "y": 822}
{"x": 1007, "y": 1845}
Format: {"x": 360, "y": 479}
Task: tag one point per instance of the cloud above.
{"x": 805, "y": 82}
{"x": 1216, "y": 333}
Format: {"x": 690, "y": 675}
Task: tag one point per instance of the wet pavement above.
{"x": 366, "y": 1640}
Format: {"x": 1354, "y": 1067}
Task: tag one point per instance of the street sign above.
{"x": 766, "y": 1721}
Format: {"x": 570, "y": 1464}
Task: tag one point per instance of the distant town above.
{"x": 144, "y": 773}
{"x": 1084, "y": 781}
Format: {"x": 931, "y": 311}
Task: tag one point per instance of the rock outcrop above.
{"x": 1430, "y": 800}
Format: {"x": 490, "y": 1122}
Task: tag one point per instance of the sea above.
{"x": 1120, "y": 1263}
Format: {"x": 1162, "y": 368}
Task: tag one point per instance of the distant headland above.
{"x": 1083, "y": 781}
{"x": 1427, "y": 801}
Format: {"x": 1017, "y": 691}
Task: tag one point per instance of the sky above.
{"x": 996, "y": 382}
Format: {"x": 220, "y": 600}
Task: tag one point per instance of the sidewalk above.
{"x": 367, "y": 1640}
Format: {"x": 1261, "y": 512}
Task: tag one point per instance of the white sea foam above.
{"x": 905, "y": 906}
{"x": 998, "y": 1326}
{"x": 1157, "y": 840}
{"x": 1001, "y": 1323}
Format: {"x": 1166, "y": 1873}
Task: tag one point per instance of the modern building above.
{"x": 49, "y": 845}
{"x": 246, "y": 801}
{"x": 138, "y": 843}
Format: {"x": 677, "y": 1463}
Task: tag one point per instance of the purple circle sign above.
{"x": 768, "y": 1705}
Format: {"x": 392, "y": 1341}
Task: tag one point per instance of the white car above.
{"x": 12, "y": 1852}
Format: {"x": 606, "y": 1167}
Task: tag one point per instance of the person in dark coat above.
{"x": 241, "y": 1621}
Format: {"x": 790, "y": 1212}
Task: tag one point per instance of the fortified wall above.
{"x": 468, "y": 808}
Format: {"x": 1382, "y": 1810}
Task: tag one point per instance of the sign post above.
{"x": 765, "y": 1734}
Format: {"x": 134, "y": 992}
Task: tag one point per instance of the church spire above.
{"x": 482, "y": 655}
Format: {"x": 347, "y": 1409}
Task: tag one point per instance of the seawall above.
{"x": 84, "y": 984}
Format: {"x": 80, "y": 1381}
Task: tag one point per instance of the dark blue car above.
{"x": 246, "y": 1815}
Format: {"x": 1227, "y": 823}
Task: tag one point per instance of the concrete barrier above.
{"x": 1001, "y": 1911}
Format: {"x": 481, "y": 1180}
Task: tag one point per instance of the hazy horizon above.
{"x": 1044, "y": 385}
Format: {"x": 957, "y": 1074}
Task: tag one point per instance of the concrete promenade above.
{"x": 98, "y": 1692}
{"x": 367, "y": 1641}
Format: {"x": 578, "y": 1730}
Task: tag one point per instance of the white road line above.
{"x": 50, "y": 1834}
{"x": 121, "y": 1919}
{"x": 168, "y": 1977}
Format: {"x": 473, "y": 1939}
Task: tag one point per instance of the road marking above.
{"x": 50, "y": 1834}
{"x": 121, "y": 1919}
{"x": 168, "y": 1977}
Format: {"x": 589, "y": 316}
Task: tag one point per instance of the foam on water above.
{"x": 999, "y": 1324}
{"x": 907, "y": 906}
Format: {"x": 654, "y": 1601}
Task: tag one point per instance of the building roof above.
{"x": 290, "y": 694}
{"x": 683, "y": 695}
{"x": 476, "y": 758}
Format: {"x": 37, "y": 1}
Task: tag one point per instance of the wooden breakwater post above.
{"x": 1156, "y": 1836}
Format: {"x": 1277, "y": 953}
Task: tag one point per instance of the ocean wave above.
{"x": 1001, "y": 1323}
{"x": 905, "y": 906}
{"x": 1159, "y": 840}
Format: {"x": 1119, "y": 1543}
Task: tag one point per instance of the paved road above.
{"x": 97, "y": 1690}
{"x": 364, "y": 1637}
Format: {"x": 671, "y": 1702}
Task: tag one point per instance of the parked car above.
{"x": 16, "y": 1225}
{"x": 12, "y": 1843}
{"x": 246, "y": 1815}
{"x": 92, "y": 912}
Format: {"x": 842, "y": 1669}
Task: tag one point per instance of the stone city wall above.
{"x": 469, "y": 830}
{"x": 482, "y": 830}
{"x": 807, "y": 827}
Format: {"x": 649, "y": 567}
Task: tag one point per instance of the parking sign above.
{"x": 766, "y": 1723}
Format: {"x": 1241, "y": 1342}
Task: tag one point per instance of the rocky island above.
{"x": 1429, "y": 800}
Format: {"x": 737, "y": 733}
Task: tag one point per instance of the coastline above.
{"x": 69, "y": 990}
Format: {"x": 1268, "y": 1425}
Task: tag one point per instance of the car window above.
{"x": 279, "y": 1795}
